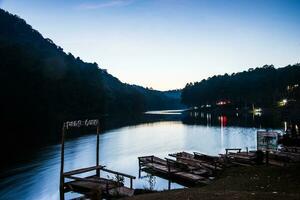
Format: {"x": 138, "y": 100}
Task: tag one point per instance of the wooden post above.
{"x": 62, "y": 179}
{"x": 169, "y": 168}
{"x": 267, "y": 157}
{"x": 97, "y": 153}
{"x": 140, "y": 167}
{"x": 131, "y": 183}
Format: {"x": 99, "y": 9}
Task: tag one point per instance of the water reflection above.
{"x": 119, "y": 149}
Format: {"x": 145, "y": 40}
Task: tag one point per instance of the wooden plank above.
{"x": 118, "y": 173}
{"x": 233, "y": 149}
{"x": 187, "y": 157}
{"x": 92, "y": 179}
{"x": 83, "y": 170}
{"x": 94, "y": 184}
{"x": 241, "y": 164}
{"x": 160, "y": 168}
{"x": 90, "y": 184}
{"x": 121, "y": 191}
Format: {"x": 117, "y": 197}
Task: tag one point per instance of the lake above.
{"x": 159, "y": 133}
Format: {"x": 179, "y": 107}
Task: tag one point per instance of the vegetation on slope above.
{"x": 263, "y": 87}
{"x": 42, "y": 86}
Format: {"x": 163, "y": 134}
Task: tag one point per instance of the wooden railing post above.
{"x": 140, "y": 167}
{"x": 97, "y": 153}
{"x": 62, "y": 178}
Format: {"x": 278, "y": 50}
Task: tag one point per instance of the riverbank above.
{"x": 255, "y": 182}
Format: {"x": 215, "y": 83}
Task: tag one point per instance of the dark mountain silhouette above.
{"x": 42, "y": 86}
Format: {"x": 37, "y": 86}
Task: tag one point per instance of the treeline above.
{"x": 41, "y": 85}
{"x": 263, "y": 87}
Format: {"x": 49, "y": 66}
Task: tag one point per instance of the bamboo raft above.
{"x": 177, "y": 171}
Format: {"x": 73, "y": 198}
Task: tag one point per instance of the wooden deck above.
{"x": 179, "y": 172}
{"x": 209, "y": 163}
{"x": 238, "y": 157}
{"x": 95, "y": 186}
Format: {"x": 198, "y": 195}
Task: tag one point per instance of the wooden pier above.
{"x": 92, "y": 186}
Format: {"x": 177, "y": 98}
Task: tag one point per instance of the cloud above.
{"x": 104, "y": 4}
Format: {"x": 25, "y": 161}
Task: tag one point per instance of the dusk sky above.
{"x": 165, "y": 44}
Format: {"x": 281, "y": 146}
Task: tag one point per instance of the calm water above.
{"x": 119, "y": 148}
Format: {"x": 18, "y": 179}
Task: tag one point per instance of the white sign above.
{"x": 267, "y": 140}
{"x": 80, "y": 123}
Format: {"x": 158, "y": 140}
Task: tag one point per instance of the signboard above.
{"x": 267, "y": 140}
{"x": 81, "y": 123}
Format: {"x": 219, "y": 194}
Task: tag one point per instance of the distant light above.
{"x": 283, "y": 102}
{"x": 257, "y": 111}
{"x": 292, "y": 87}
{"x": 221, "y": 103}
{"x": 285, "y": 126}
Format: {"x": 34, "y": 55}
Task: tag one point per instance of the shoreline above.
{"x": 254, "y": 182}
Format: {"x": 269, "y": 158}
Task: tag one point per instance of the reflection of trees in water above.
{"x": 233, "y": 119}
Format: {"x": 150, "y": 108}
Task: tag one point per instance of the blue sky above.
{"x": 165, "y": 44}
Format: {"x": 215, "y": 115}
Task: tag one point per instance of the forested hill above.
{"x": 265, "y": 87}
{"x": 41, "y": 85}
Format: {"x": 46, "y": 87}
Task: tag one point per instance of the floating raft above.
{"x": 179, "y": 172}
